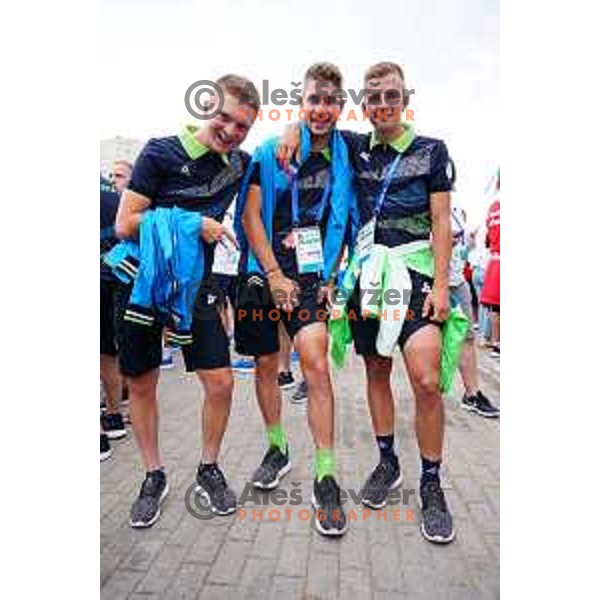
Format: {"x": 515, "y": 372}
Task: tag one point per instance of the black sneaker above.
{"x": 480, "y": 404}
{"x": 105, "y": 449}
{"x": 301, "y": 393}
{"x": 436, "y": 520}
{"x": 273, "y": 467}
{"x": 285, "y": 380}
{"x": 330, "y": 518}
{"x": 212, "y": 486}
{"x": 495, "y": 353}
{"x": 113, "y": 426}
{"x": 146, "y": 509}
{"x": 386, "y": 477}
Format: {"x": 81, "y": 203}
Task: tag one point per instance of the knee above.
{"x": 427, "y": 390}
{"x": 142, "y": 386}
{"x": 267, "y": 368}
{"x": 316, "y": 368}
{"x": 378, "y": 369}
{"x": 220, "y": 388}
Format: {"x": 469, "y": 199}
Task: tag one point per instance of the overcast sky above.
{"x": 152, "y": 50}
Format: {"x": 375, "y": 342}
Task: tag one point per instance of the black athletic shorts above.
{"x": 108, "y": 318}
{"x": 140, "y": 347}
{"x": 257, "y": 319}
{"x": 224, "y": 287}
{"x": 365, "y": 329}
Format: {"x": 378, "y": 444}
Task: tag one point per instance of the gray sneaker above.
{"x": 300, "y": 393}
{"x": 274, "y": 466}
{"x": 212, "y": 486}
{"x": 146, "y": 509}
{"x": 436, "y": 520}
{"x": 385, "y": 477}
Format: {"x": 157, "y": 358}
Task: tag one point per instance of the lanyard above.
{"x": 296, "y": 202}
{"x": 385, "y": 186}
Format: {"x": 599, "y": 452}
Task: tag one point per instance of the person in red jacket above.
{"x": 490, "y": 294}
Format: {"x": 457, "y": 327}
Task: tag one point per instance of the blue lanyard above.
{"x": 385, "y": 186}
{"x": 296, "y": 201}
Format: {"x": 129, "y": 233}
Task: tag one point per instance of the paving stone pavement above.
{"x": 233, "y": 557}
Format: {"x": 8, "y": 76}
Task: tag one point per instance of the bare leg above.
{"x": 312, "y": 343}
{"x": 468, "y": 367}
{"x": 267, "y": 390}
{"x": 143, "y": 409}
{"x": 285, "y": 350}
{"x": 111, "y": 380}
{"x": 422, "y": 359}
{"x": 495, "y": 321}
{"x": 379, "y": 391}
{"x": 218, "y": 391}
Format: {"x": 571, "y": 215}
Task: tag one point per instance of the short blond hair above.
{"x": 381, "y": 69}
{"x": 122, "y": 161}
{"x": 241, "y": 88}
{"x": 324, "y": 71}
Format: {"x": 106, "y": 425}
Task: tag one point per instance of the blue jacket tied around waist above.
{"x": 171, "y": 264}
{"x": 274, "y": 180}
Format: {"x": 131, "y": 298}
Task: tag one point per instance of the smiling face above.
{"x": 229, "y": 128}
{"x": 321, "y": 106}
{"x": 385, "y": 101}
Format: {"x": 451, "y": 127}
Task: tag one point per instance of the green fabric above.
{"x": 193, "y": 148}
{"x": 324, "y": 463}
{"x": 421, "y": 262}
{"x": 454, "y": 332}
{"x": 401, "y": 143}
{"x": 340, "y": 337}
{"x": 454, "y": 329}
{"x": 326, "y": 152}
{"x": 276, "y": 437}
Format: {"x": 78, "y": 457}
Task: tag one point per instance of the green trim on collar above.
{"x": 401, "y": 143}
{"x": 193, "y": 148}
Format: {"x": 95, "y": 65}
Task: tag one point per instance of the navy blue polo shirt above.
{"x": 424, "y": 169}
{"x": 313, "y": 175}
{"x": 179, "y": 171}
{"x": 109, "y": 204}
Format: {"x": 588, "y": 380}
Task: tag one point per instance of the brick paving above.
{"x": 229, "y": 557}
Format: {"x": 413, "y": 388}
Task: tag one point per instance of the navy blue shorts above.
{"x": 365, "y": 329}
{"x": 257, "y": 319}
{"x": 140, "y": 347}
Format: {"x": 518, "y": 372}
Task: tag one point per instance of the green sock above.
{"x": 324, "y": 462}
{"x": 276, "y": 437}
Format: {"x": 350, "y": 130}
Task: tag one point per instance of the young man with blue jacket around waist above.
{"x": 200, "y": 171}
